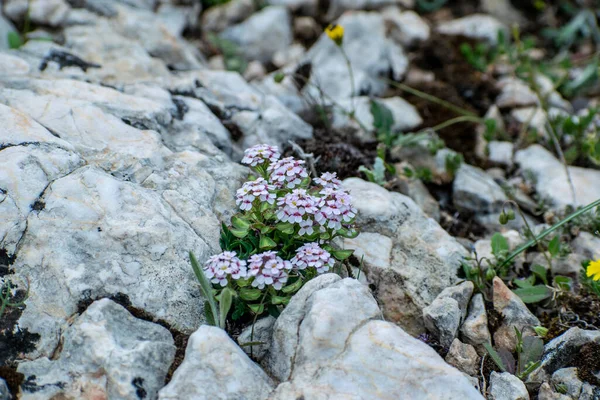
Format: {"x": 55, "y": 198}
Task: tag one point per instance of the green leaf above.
{"x": 257, "y": 308}
{"x": 383, "y": 119}
{"x": 206, "y": 288}
{"x": 563, "y": 282}
{"x": 499, "y": 245}
{"x": 292, "y": 288}
{"x": 349, "y": 234}
{"x": 522, "y": 283}
{"x": 285, "y": 227}
{"x": 276, "y": 300}
{"x": 240, "y": 223}
{"x": 266, "y": 243}
{"x": 554, "y": 246}
{"x": 225, "y": 301}
{"x": 540, "y": 272}
{"x": 533, "y": 294}
{"x": 14, "y": 40}
{"x": 240, "y": 233}
{"x": 249, "y": 294}
{"x": 210, "y": 318}
{"x": 341, "y": 255}
{"x": 494, "y": 356}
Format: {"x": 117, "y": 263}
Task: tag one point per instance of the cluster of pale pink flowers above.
{"x": 221, "y": 266}
{"x": 324, "y": 207}
{"x": 267, "y": 268}
{"x": 252, "y": 190}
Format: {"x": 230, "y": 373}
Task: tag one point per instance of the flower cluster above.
{"x": 218, "y": 268}
{"x": 312, "y": 255}
{"x": 252, "y": 190}
{"x": 268, "y": 269}
{"x": 284, "y": 228}
{"x": 287, "y": 172}
{"x": 260, "y": 154}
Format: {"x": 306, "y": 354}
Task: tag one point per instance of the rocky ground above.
{"x": 122, "y": 124}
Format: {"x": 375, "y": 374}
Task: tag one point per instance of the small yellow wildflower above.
{"x": 335, "y": 33}
{"x": 593, "y": 270}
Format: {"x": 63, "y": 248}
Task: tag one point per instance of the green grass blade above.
{"x": 548, "y": 231}
{"x": 206, "y": 288}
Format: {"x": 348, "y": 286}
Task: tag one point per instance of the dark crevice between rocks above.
{"x": 7, "y": 145}
{"x": 14, "y": 341}
{"x": 180, "y": 339}
{"x": 588, "y": 363}
{"x": 64, "y": 59}
{"x": 180, "y": 109}
{"x": 135, "y": 124}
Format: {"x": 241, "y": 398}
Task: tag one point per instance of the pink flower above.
{"x": 252, "y": 190}
{"x": 329, "y": 180}
{"x": 311, "y": 255}
{"x": 259, "y": 154}
{"x": 287, "y": 172}
{"x": 221, "y": 266}
{"x": 268, "y": 269}
{"x": 296, "y": 205}
{"x": 335, "y": 207}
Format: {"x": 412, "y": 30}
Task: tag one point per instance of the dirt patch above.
{"x": 588, "y": 363}
{"x": 338, "y": 152}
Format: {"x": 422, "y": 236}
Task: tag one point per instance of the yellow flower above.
{"x": 593, "y": 270}
{"x": 335, "y": 33}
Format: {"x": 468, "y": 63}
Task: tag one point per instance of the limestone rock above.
{"x": 214, "y": 367}
{"x": 106, "y": 353}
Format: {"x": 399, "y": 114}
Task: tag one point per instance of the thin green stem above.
{"x": 548, "y": 231}
{"x": 351, "y": 72}
{"x": 453, "y": 121}
{"x": 431, "y": 98}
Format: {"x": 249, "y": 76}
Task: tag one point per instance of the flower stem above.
{"x": 351, "y": 72}
{"x": 431, "y": 98}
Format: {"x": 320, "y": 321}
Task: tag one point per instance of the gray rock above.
{"x": 314, "y": 327}
{"x": 13, "y": 65}
{"x": 551, "y": 179}
{"x": 515, "y": 93}
{"x": 214, "y": 367}
{"x": 262, "y": 34}
{"x": 121, "y": 239}
{"x": 406, "y": 116}
{"x": 474, "y": 26}
{"x": 569, "y": 265}
{"x": 475, "y": 330}
{"x": 464, "y": 357}
{"x": 371, "y": 55}
{"x": 567, "y": 377}
{"x": 504, "y": 11}
{"x": 219, "y": 17}
{"x": 515, "y": 313}
{"x": 298, "y": 7}
{"x": 406, "y": 27}
{"x": 442, "y": 318}
{"x": 339, "y": 7}
{"x": 501, "y": 153}
{"x": 261, "y": 331}
{"x": 587, "y": 245}
{"x": 476, "y": 191}
{"x": 340, "y": 347}
{"x": 416, "y": 190}
{"x": 260, "y": 118}
{"x": 563, "y": 351}
{"x": 105, "y": 353}
{"x": 445, "y": 314}
{"x": 506, "y": 386}
{"x": 43, "y": 12}
{"x": 409, "y": 266}
{"x": 547, "y": 393}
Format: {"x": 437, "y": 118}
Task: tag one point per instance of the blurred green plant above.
{"x": 232, "y": 57}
